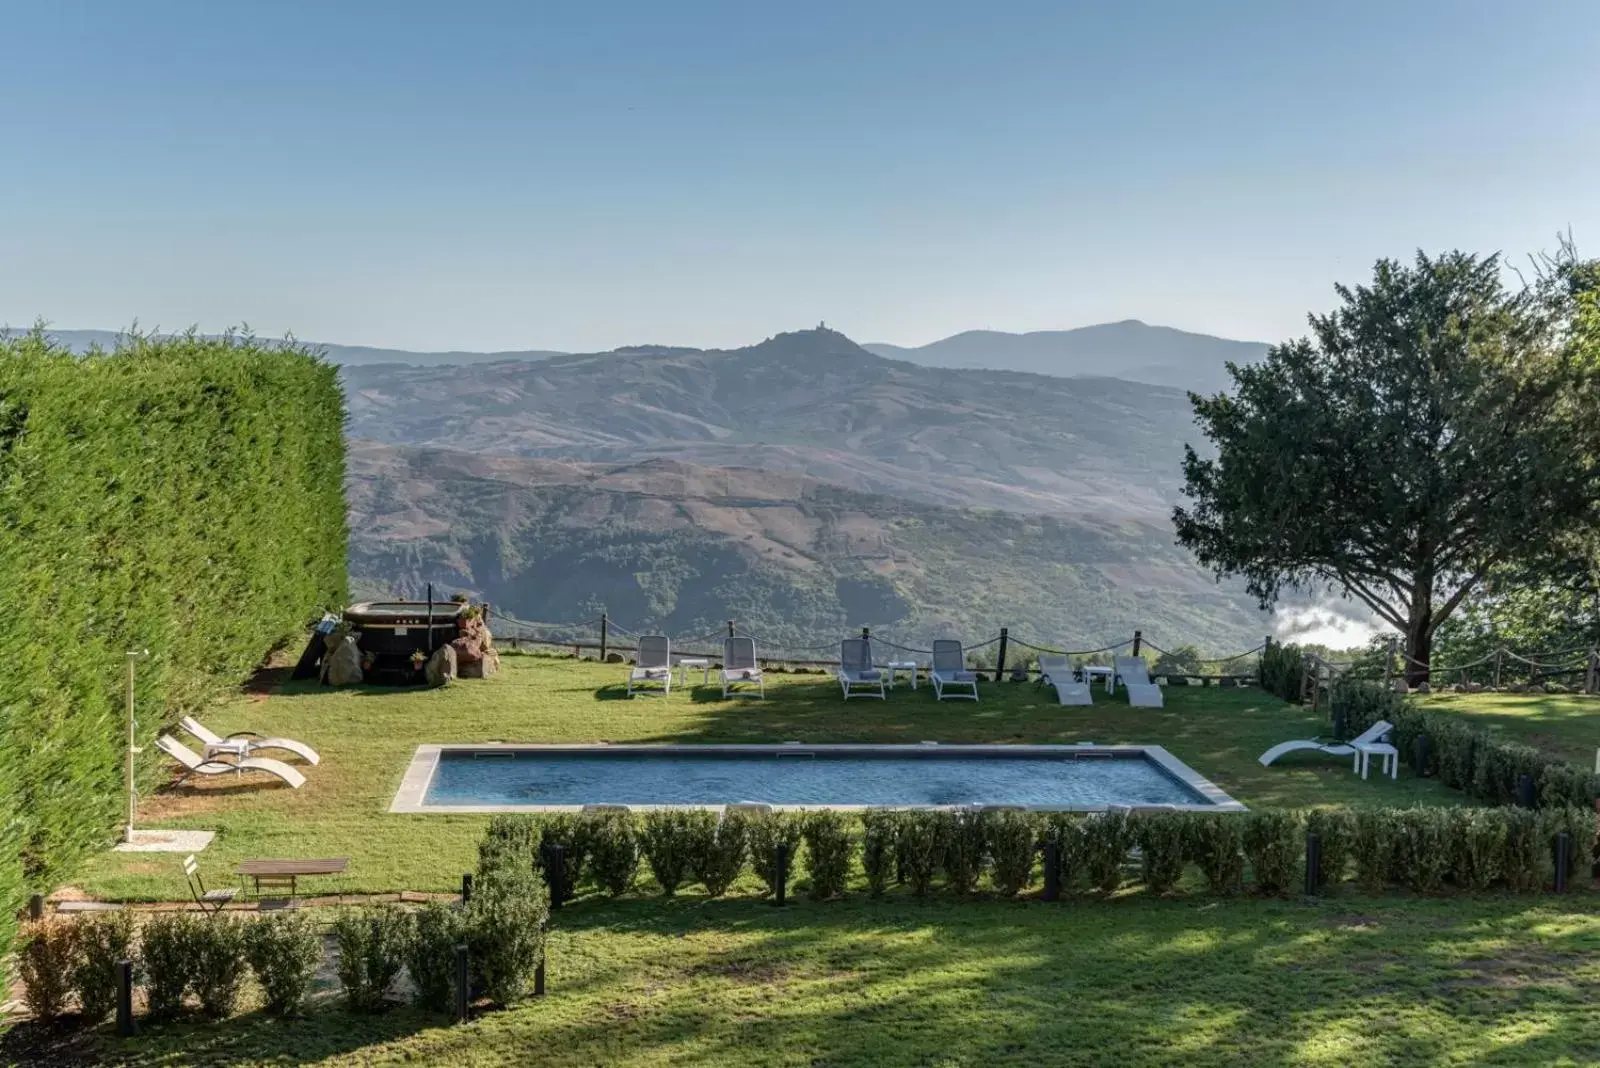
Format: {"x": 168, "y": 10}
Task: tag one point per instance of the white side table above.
{"x": 1389, "y": 759}
{"x": 1090, "y": 671}
{"x": 901, "y": 665}
{"x": 698, "y": 662}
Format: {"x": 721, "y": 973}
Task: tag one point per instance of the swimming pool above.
{"x": 555, "y": 778}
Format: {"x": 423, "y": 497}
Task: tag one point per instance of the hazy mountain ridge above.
{"x": 682, "y": 547}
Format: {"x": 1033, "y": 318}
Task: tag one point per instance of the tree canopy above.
{"x": 1436, "y": 425}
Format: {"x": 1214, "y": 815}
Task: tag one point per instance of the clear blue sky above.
{"x": 588, "y": 174}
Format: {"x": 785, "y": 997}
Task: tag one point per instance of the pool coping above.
{"x": 410, "y": 797}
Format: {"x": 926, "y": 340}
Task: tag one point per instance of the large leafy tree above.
{"x": 1436, "y": 425}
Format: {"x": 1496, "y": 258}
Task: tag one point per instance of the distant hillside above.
{"x": 680, "y": 548}
{"x": 81, "y": 340}
{"x": 1130, "y": 349}
{"x": 813, "y": 403}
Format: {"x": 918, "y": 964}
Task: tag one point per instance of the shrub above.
{"x": 1579, "y": 825}
{"x": 768, "y": 831}
{"x": 505, "y": 935}
{"x": 47, "y": 961}
{"x": 1361, "y": 703}
{"x": 1499, "y": 765}
{"x": 1525, "y": 857}
{"x": 571, "y": 833}
{"x": 102, "y": 942}
{"x": 218, "y": 965}
{"x": 1065, "y": 829}
{"x": 1012, "y": 839}
{"x": 1452, "y": 744}
{"x": 166, "y": 956}
{"x": 184, "y": 494}
{"x": 1373, "y": 847}
{"x": 1336, "y": 827}
{"x": 1281, "y": 671}
{"x": 963, "y": 850}
{"x": 1477, "y": 839}
{"x": 372, "y": 949}
{"x": 1216, "y": 845}
{"x": 613, "y": 841}
{"x": 1162, "y": 839}
{"x": 829, "y": 847}
{"x": 284, "y": 952}
{"x": 1423, "y": 851}
{"x": 511, "y": 840}
{"x": 879, "y": 829}
{"x": 919, "y": 847}
{"x": 1106, "y": 839}
{"x": 1563, "y": 785}
{"x": 1274, "y": 842}
{"x": 719, "y": 850}
{"x": 668, "y": 841}
{"x": 436, "y": 930}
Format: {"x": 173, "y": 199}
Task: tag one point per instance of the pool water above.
{"x": 801, "y": 777}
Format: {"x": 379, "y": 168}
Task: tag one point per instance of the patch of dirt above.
{"x": 743, "y": 970}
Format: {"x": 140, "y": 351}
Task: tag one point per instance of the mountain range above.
{"x": 1131, "y": 350}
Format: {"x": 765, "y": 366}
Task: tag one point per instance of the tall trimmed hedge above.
{"x": 180, "y": 494}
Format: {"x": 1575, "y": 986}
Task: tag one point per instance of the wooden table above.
{"x": 280, "y": 873}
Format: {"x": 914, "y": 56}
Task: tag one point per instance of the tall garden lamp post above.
{"x": 133, "y": 657}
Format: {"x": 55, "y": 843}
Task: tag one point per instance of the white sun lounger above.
{"x": 1135, "y": 676}
{"x": 198, "y": 765}
{"x": 740, "y": 668}
{"x": 652, "y": 666}
{"x": 1056, "y": 671}
{"x": 950, "y": 672}
{"x": 248, "y": 741}
{"x": 1371, "y": 736}
{"x": 857, "y": 676}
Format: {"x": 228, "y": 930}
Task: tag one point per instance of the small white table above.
{"x": 901, "y": 665}
{"x": 1389, "y": 763}
{"x": 1090, "y": 671}
{"x": 239, "y": 748}
{"x": 698, "y": 662}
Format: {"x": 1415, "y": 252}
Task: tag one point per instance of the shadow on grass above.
{"x": 1136, "y": 983}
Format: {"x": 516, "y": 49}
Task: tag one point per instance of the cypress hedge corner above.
{"x": 181, "y": 494}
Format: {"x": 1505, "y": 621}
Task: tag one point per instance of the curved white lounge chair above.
{"x": 198, "y": 765}
{"x": 950, "y": 672}
{"x": 739, "y": 667}
{"x": 249, "y": 740}
{"x": 653, "y": 665}
{"x": 1372, "y": 735}
{"x": 1056, "y": 671}
{"x": 1135, "y": 676}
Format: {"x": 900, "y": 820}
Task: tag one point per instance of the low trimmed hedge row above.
{"x": 1462, "y": 755}
{"x": 185, "y": 957}
{"x": 1001, "y": 851}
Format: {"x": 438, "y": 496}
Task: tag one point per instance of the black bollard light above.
{"x": 126, "y": 1028}
{"x": 558, "y": 875}
{"x": 782, "y": 874}
{"x": 466, "y": 887}
{"x": 1340, "y": 725}
{"x": 463, "y": 986}
{"x": 36, "y": 907}
{"x": 1419, "y": 755}
{"x": 1563, "y": 860}
{"x": 1313, "y": 863}
{"x": 1052, "y": 870}
{"x": 1525, "y": 790}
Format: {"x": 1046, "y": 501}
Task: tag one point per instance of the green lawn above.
{"x": 367, "y": 736}
{"x": 1135, "y": 981}
{"x": 1567, "y": 725}
{"x": 1130, "y": 983}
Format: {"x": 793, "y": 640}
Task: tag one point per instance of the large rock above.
{"x": 342, "y": 665}
{"x": 441, "y": 666}
{"x": 484, "y": 667}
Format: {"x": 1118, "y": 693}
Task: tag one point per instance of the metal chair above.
{"x": 211, "y": 901}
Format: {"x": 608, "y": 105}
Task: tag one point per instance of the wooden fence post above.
{"x": 605, "y": 626}
{"x": 1499, "y": 655}
{"x": 730, "y": 628}
{"x": 1000, "y": 663}
{"x": 1138, "y": 641}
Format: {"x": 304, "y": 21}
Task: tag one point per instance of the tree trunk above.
{"x": 1419, "y": 647}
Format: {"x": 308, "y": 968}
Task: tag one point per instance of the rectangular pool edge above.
{"x": 410, "y": 798}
